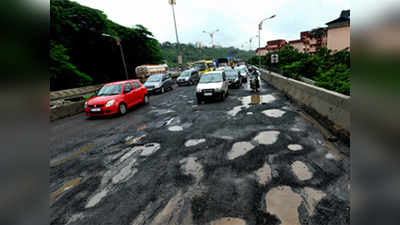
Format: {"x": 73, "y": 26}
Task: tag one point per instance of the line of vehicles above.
{"x": 212, "y": 83}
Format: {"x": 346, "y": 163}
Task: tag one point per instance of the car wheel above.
{"x": 146, "y": 99}
{"x": 122, "y": 109}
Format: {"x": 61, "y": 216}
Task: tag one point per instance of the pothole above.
{"x": 295, "y": 147}
{"x": 147, "y": 149}
{"x": 251, "y": 100}
{"x": 267, "y": 137}
{"x": 190, "y": 166}
{"x": 194, "y": 142}
{"x": 133, "y": 140}
{"x": 301, "y": 171}
{"x": 275, "y": 113}
{"x": 170, "y": 213}
{"x": 264, "y": 174}
{"x": 312, "y": 197}
{"x": 175, "y": 128}
{"x": 96, "y": 198}
{"x": 228, "y": 221}
{"x": 239, "y": 149}
{"x": 125, "y": 173}
{"x": 283, "y": 203}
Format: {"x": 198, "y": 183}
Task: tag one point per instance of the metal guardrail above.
{"x": 75, "y": 92}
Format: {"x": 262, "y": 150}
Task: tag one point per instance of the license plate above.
{"x": 207, "y": 94}
{"x": 95, "y": 110}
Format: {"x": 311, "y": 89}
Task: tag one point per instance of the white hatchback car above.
{"x": 212, "y": 85}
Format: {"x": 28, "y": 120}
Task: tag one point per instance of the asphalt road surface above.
{"x": 254, "y": 158}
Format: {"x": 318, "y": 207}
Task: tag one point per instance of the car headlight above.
{"x": 198, "y": 89}
{"x": 110, "y": 103}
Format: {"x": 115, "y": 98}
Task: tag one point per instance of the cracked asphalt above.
{"x": 254, "y": 158}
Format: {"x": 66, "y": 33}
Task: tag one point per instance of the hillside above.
{"x": 190, "y": 53}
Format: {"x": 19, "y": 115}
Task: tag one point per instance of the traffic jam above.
{"x": 213, "y": 79}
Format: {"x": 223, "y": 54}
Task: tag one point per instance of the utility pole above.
{"x": 259, "y": 36}
{"x": 172, "y": 3}
{"x": 122, "y": 53}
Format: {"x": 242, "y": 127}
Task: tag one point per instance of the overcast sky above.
{"x": 236, "y": 20}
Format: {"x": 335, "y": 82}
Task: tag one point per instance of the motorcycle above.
{"x": 254, "y": 83}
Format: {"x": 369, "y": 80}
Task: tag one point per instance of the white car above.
{"x": 212, "y": 85}
{"x": 243, "y": 72}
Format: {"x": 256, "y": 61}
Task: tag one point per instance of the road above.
{"x": 252, "y": 159}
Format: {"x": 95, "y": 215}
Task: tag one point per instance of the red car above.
{"x": 116, "y": 97}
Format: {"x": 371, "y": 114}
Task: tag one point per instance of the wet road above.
{"x": 252, "y": 159}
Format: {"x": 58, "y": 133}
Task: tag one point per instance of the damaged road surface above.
{"x": 251, "y": 159}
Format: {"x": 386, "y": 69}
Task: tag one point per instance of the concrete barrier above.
{"x": 66, "y": 110}
{"x": 330, "y": 108}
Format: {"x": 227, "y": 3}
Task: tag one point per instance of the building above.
{"x": 272, "y": 46}
{"x": 339, "y": 32}
{"x": 310, "y": 41}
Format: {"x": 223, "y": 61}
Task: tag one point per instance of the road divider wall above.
{"x": 66, "y": 110}
{"x": 330, "y": 108}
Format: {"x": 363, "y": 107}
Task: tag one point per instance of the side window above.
{"x": 127, "y": 88}
{"x": 136, "y": 85}
{"x": 164, "y": 77}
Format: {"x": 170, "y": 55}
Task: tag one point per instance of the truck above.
{"x": 145, "y": 71}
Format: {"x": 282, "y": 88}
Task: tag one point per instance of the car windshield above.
{"x": 200, "y": 66}
{"x": 185, "y": 74}
{"x": 154, "y": 78}
{"x": 114, "y": 89}
{"x": 211, "y": 78}
{"x": 243, "y": 70}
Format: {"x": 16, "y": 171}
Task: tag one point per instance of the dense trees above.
{"x": 330, "y": 70}
{"x": 79, "y": 54}
{"x": 190, "y": 53}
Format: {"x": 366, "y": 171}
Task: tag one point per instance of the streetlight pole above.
{"x": 172, "y": 3}
{"x": 211, "y": 35}
{"x": 259, "y": 36}
{"x": 122, "y": 53}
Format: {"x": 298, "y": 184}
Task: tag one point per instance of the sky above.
{"x": 236, "y": 20}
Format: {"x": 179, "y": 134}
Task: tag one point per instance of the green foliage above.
{"x": 77, "y": 47}
{"x": 190, "y": 53}
{"x": 63, "y": 71}
{"x": 330, "y": 70}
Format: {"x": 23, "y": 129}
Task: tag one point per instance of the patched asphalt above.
{"x": 251, "y": 159}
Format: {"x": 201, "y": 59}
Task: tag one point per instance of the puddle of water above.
{"x": 264, "y": 174}
{"x": 131, "y": 140}
{"x": 295, "y": 147}
{"x": 249, "y": 113}
{"x": 267, "y": 137}
{"x": 301, "y": 171}
{"x": 312, "y": 198}
{"x": 275, "y": 113}
{"x": 191, "y": 167}
{"x": 142, "y": 128}
{"x": 295, "y": 129}
{"x": 175, "y": 128}
{"x": 127, "y": 155}
{"x": 239, "y": 149}
{"x": 170, "y": 213}
{"x": 125, "y": 173}
{"x": 96, "y": 198}
{"x": 194, "y": 142}
{"x": 251, "y": 100}
{"x": 283, "y": 203}
{"x": 228, "y": 221}
{"x": 68, "y": 185}
{"x": 148, "y": 149}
